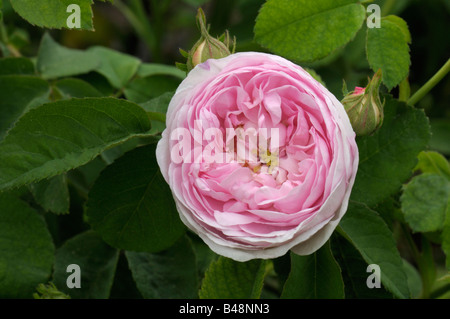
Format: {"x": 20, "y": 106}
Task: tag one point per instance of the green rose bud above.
{"x": 364, "y": 107}
{"x": 207, "y": 47}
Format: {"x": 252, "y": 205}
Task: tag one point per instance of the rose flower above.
{"x": 260, "y": 157}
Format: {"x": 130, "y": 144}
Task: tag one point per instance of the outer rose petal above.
{"x": 238, "y": 239}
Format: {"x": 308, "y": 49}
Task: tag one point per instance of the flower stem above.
{"x": 404, "y": 90}
{"x": 430, "y": 84}
{"x": 427, "y": 268}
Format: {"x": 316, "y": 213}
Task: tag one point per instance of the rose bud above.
{"x": 364, "y": 107}
{"x": 260, "y": 157}
{"x": 207, "y": 47}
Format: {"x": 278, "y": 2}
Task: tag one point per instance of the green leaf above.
{"x": 171, "y": 273}
{"x": 304, "y": 30}
{"x": 387, "y": 49}
{"x": 16, "y": 66}
{"x": 53, "y": 13}
{"x": 83, "y": 177}
{"x": 110, "y": 155}
{"x": 55, "y": 61}
{"x": 433, "y": 162}
{"x": 316, "y": 276}
{"x": 229, "y": 279}
{"x": 18, "y": 94}
{"x": 446, "y": 236}
{"x": 140, "y": 90}
{"x": 156, "y": 109}
{"x": 424, "y": 202}
{"x": 18, "y": 39}
{"x": 131, "y": 205}
{"x": 182, "y": 67}
{"x": 204, "y": 255}
{"x": 60, "y": 136}
{"x": 441, "y": 287}
{"x": 97, "y": 262}
{"x": 354, "y": 271}
{"x": 49, "y": 291}
{"x": 26, "y": 248}
{"x": 369, "y": 234}
{"x": 117, "y": 67}
{"x": 52, "y": 194}
{"x": 150, "y": 69}
{"x": 99, "y": 82}
{"x": 399, "y": 22}
{"x": 124, "y": 286}
{"x": 387, "y": 158}
{"x": 71, "y": 87}
{"x": 414, "y": 280}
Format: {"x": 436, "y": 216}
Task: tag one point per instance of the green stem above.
{"x": 135, "y": 14}
{"x": 159, "y": 10}
{"x": 3, "y": 37}
{"x": 3, "y": 33}
{"x": 439, "y": 292}
{"x": 139, "y": 10}
{"x": 8, "y": 48}
{"x": 13, "y": 51}
{"x": 427, "y": 268}
{"x": 430, "y": 84}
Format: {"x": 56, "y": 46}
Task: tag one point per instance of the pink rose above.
{"x": 260, "y": 157}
